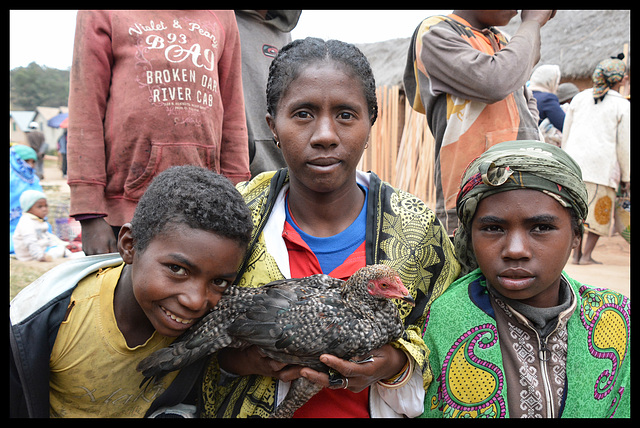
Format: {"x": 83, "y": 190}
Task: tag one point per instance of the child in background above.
{"x": 516, "y": 337}
{"x": 32, "y": 239}
{"x": 78, "y": 332}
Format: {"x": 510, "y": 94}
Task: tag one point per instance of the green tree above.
{"x": 34, "y": 86}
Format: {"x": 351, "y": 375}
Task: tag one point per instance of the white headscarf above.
{"x": 545, "y": 78}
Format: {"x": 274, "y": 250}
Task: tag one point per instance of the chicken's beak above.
{"x": 409, "y": 299}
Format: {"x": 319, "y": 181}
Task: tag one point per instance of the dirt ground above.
{"x": 614, "y": 252}
{"x": 614, "y": 272}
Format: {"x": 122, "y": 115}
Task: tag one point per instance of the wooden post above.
{"x": 401, "y": 153}
{"x": 624, "y": 89}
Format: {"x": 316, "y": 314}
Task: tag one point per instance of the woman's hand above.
{"x": 387, "y": 361}
{"x": 625, "y": 188}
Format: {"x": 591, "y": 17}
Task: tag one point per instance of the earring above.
{"x": 277, "y": 143}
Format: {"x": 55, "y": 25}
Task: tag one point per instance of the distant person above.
{"x": 22, "y": 177}
{"x": 544, "y": 84}
{"x": 597, "y": 134}
{"x": 566, "y": 92}
{"x": 62, "y": 149}
{"x": 551, "y": 134}
{"x": 262, "y": 34}
{"x": 149, "y": 89}
{"x": 32, "y": 239}
{"x": 37, "y": 143}
{"x": 469, "y": 80}
{"x": 80, "y": 330}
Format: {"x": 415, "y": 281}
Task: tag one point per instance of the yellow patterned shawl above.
{"x": 402, "y": 232}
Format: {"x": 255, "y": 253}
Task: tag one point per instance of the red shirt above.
{"x": 328, "y": 403}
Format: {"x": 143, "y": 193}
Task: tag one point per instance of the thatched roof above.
{"x": 576, "y": 40}
{"x": 387, "y": 60}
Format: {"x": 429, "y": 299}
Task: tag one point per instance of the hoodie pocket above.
{"x": 165, "y": 155}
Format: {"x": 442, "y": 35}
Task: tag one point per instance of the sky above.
{"x": 46, "y": 36}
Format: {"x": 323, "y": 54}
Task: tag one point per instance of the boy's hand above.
{"x": 541, "y": 16}
{"x": 252, "y": 361}
{"x": 97, "y": 237}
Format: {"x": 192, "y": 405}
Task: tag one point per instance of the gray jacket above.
{"x": 261, "y": 39}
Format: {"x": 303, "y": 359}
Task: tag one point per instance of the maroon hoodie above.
{"x": 151, "y": 89}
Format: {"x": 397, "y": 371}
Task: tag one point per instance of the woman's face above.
{"x": 522, "y": 240}
{"x": 322, "y": 125}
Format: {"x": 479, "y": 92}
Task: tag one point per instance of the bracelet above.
{"x": 401, "y": 378}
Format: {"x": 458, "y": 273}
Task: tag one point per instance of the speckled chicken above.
{"x": 294, "y": 321}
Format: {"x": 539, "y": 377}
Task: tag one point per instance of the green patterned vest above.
{"x": 467, "y": 362}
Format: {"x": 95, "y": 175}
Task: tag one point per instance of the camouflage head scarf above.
{"x": 516, "y": 165}
{"x": 607, "y": 73}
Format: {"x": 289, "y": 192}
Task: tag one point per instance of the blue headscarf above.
{"x": 21, "y": 177}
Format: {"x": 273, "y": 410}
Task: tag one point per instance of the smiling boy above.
{"x": 515, "y": 336}
{"x": 78, "y": 332}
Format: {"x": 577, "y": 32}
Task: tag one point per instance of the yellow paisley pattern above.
{"x": 610, "y": 333}
{"x": 463, "y": 375}
{"x": 605, "y": 315}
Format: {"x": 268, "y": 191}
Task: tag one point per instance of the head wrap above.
{"x": 24, "y": 152}
{"x": 607, "y": 73}
{"x": 20, "y": 169}
{"x": 29, "y": 197}
{"x": 545, "y": 78}
{"x": 516, "y": 165}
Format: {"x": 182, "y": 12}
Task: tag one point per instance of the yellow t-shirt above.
{"x": 92, "y": 370}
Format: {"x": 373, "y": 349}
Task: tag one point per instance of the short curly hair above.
{"x": 194, "y": 196}
{"x": 298, "y": 54}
